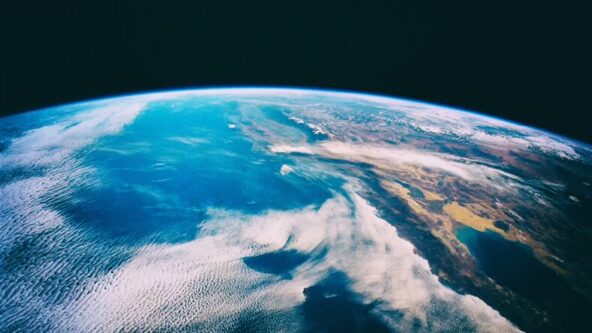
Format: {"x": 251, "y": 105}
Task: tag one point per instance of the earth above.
{"x": 270, "y": 209}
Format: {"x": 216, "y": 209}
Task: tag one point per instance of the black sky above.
{"x": 529, "y": 61}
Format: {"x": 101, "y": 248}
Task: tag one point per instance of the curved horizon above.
{"x": 330, "y": 91}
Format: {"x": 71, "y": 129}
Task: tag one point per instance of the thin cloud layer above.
{"x": 205, "y": 282}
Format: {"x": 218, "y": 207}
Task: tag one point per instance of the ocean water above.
{"x": 170, "y": 170}
{"x": 169, "y": 213}
{"x": 514, "y": 266}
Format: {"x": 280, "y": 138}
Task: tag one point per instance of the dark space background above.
{"x": 528, "y": 60}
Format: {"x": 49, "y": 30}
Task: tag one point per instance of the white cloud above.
{"x": 205, "y": 281}
{"x": 286, "y": 169}
{"x": 23, "y": 208}
{"x": 393, "y": 157}
{"x": 53, "y": 144}
{"x": 287, "y": 149}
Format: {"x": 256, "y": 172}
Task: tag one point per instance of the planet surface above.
{"x": 290, "y": 210}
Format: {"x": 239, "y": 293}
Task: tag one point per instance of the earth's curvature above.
{"x": 285, "y": 210}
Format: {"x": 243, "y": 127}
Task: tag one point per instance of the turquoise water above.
{"x": 160, "y": 175}
{"x": 174, "y": 211}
